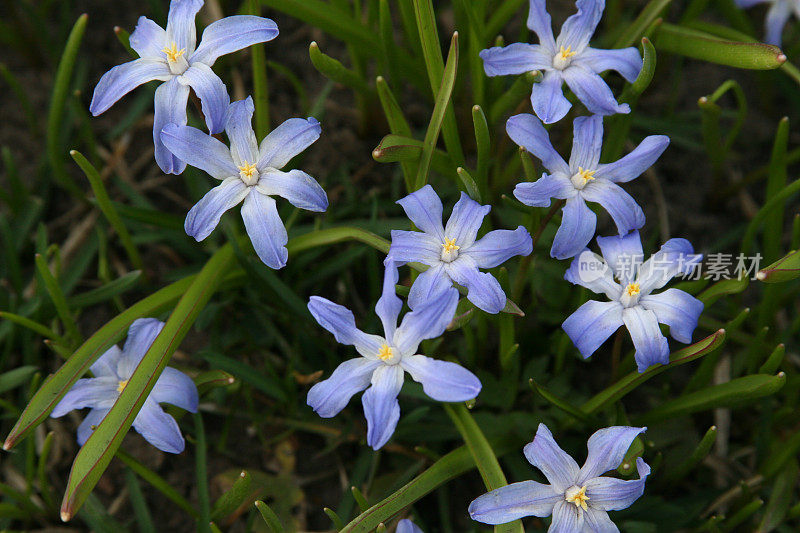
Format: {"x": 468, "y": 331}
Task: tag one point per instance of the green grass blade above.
{"x": 270, "y": 518}
{"x": 258, "y": 61}
{"x": 59, "y": 301}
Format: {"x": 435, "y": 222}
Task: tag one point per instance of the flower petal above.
{"x": 408, "y": 246}
{"x": 578, "y": 223}
{"x": 527, "y": 131}
{"x": 300, "y": 189}
{"x": 547, "y": 98}
{"x": 265, "y": 229}
{"x": 626, "y": 61}
{"x": 592, "y": 91}
{"x": 558, "y": 467}
{"x": 424, "y": 208}
{"x": 106, "y": 364}
{"x": 592, "y": 324}
{"x": 340, "y": 321}
{"x": 624, "y": 210}
{"x": 429, "y": 285}
{"x": 578, "y": 29}
{"x": 597, "y": 521}
{"x": 540, "y": 24}
{"x": 239, "y": 128}
{"x": 611, "y": 494}
{"x": 92, "y": 420}
{"x": 749, "y": 3}
{"x": 327, "y": 398}
{"x": 466, "y": 220}
{"x": 170, "y": 108}
{"x": 287, "y": 141}
{"x": 677, "y": 309}
{"x": 515, "y": 58}
{"x": 442, "y": 380}
{"x": 483, "y": 290}
{"x": 388, "y": 305}
{"x": 514, "y": 501}
{"x": 176, "y": 388}
{"x": 141, "y": 335}
{"x": 676, "y": 256}
{"x": 651, "y": 345}
{"x": 181, "y": 26}
{"x": 623, "y": 253}
{"x": 566, "y": 518}
{"x": 231, "y": 34}
{"x": 498, "y": 246}
{"x": 199, "y": 150}
{"x": 158, "y": 428}
{"x": 539, "y": 192}
{"x": 381, "y": 407}
{"x": 607, "y": 448}
{"x": 590, "y": 270}
{"x": 426, "y": 322}
{"x": 775, "y": 21}
{"x": 212, "y": 92}
{"x": 205, "y": 215}
{"x": 124, "y": 78}
{"x": 407, "y": 526}
{"x": 635, "y": 163}
{"x": 97, "y": 393}
{"x": 148, "y": 39}
{"x": 587, "y": 141}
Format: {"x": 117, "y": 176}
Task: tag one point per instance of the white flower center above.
{"x": 630, "y": 295}
{"x": 577, "y": 496}
{"x": 563, "y": 58}
{"x": 388, "y": 355}
{"x": 248, "y": 173}
{"x": 582, "y": 178}
{"x": 176, "y": 59}
{"x": 449, "y": 250}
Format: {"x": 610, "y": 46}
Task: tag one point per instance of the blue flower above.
{"x": 451, "y": 252}
{"x": 111, "y": 374}
{"x": 583, "y": 179}
{"x": 384, "y": 360}
{"x": 407, "y": 526}
{"x": 578, "y": 498}
{"x": 777, "y": 16}
{"x": 628, "y": 282}
{"x": 250, "y": 173}
{"x": 171, "y": 56}
{"x": 567, "y": 59}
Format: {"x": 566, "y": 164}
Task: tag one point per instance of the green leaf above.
{"x": 57, "y": 296}
{"x": 334, "y": 235}
{"x": 766, "y": 209}
{"x": 334, "y": 70}
{"x": 107, "y": 291}
{"x": 724, "y": 287}
{"x": 14, "y": 378}
{"x": 649, "y": 62}
{"x": 559, "y": 402}
{"x": 785, "y": 269}
{"x": 270, "y": 518}
{"x": 776, "y": 181}
{"x": 637, "y": 28}
{"x": 781, "y": 498}
{"x": 483, "y": 145}
{"x": 213, "y": 379}
{"x": 397, "y": 148}
{"x": 234, "y": 498}
{"x": 32, "y": 325}
{"x": 699, "y": 453}
{"x": 468, "y": 184}
{"x": 774, "y": 360}
{"x": 156, "y": 481}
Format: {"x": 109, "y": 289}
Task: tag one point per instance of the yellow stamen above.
{"x": 450, "y": 245}
{"x": 578, "y": 497}
{"x": 632, "y": 289}
{"x": 586, "y": 175}
{"x": 247, "y": 170}
{"x": 121, "y": 385}
{"x": 566, "y": 53}
{"x": 172, "y": 52}
{"x": 386, "y": 353}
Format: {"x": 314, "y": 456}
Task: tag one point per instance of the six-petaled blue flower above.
{"x": 583, "y": 179}
{"x": 579, "y": 498}
{"x": 451, "y": 251}
{"x": 628, "y": 282}
{"x": 171, "y": 56}
{"x": 569, "y": 58}
{"x": 111, "y": 374}
{"x": 777, "y": 16}
{"x": 384, "y": 360}
{"x": 250, "y": 173}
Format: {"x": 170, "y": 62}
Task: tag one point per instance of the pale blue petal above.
{"x": 626, "y": 61}
{"x": 92, "y": 420}
{"x": 635, "y": 163}
{"x": 592, "y": 91}
{"x": 590, "y": 270}
{"x": 408, "y": 246}
{"x": 124, "y": 78}
{"x": 180, "y": 24}
{"x": 607, "y": 448}
{"x": 611, "y": 494}
{"x": 498, "y": 246}
{"x": 483, "y": 290}
{"x": 466, "y": 220}
{"x": 587, "y": 142}
{"x": 97, "y": 393}
{"x": 287, "y": 141}
{"x": 592, "y": 324}
{"x": 558, "y": 467}
{"x": 106, "y": 364}
{"x": 148, "y": 39}
{"x": 624, "y": 210}
{"x": 388, "y": 305}
{"x": 340, "y": 321}
{"x": 205, "y": 215}
{"x": 212, "y": 92}
{"x": 749, "y": 3}
{"x": 158, "y": 428}
{"x": 442, "y": 380}
{"x": 424, "y": 208}
{"x": 777, "y": 16}
{"x": 578, "y": 223}
{"x": 231, "y": 34}
{"x": 566, "y": 518}
{"x": 514, "y": 501}
{"x": 300, "y": 189}
{"x": 676, "y": 256}
{"x": 327, "y": 398}
{"x": 515, "y": 58}
{"x": 407, "y": 526}
{"x": 199, "y": 150}
{"x": 176, "y": 388}
{"x": 547, "y": 98}
{"x": 539, "y": 192}
{"x": 527, "y": 131}
{"x": 426, "y": 321}
{"x": 623, "y": 253}
{"x": 429, "y": 285}
{"x": 170, "y": 108}
{"x": 265, "y": 229}
{"x": 578, "y": 29}
{"x": 239, "y": 128}
{"x": 677, "y": 309}
{"x": 539, "y": 23}
{"x": 597, "y": 521}
{"x": 651, "y": 345}
{"x": 141, "y": 335}
{"x": 381, "y": 407}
